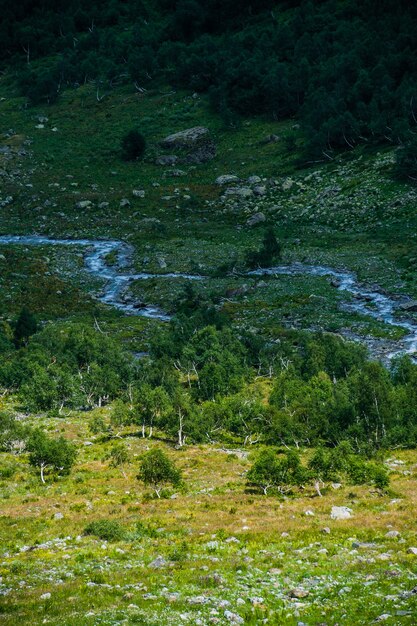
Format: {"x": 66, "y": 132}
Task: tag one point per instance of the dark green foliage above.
{"x": 406, "y": 161}
{"x": 133, "y": 146}
{"x": 320, "y": 61}
{"x": 74, "y": 368}
{"x": 13, "y": 434}
{"x": 42, "y": 85}
{"x": 57, "y": 455}
{"x": 281, "y": 473}
{"x": 107, "y": 530}
{"x": 269, "y": 253}
{"x": 24, "y": 328}
{"x": 341, "y": 463}
{"x": 157, "y": 470}
{"x": 118, "y": 454}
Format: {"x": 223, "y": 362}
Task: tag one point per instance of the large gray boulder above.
{"x": 195, "y": 145}
{"x": 227, "y": 179}
{"x": 186, "y": 138}
{"x": 409, "y": 306}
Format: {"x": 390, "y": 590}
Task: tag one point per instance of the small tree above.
{"x": 157, "y": 470}
{"x": 118, "y": 456}
{"x": 406, "y": 161}
{"x": 133, "y": 146}
{"x": 25, "y": 327}
{"x": 270, "y": 471}
{"x": 45, "y": 453}
{"x": 269, "y": 253}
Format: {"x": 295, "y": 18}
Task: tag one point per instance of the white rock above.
{"x": 233, "y": 617}
{"x": 227, "y": 179}
{"x": 84, "y": 204}
{"x": 340, "y": 512}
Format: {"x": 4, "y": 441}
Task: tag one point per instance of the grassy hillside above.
{"x": 213, "y": 551}
{"x": 210, "y": 552}
{"x": 347, "y": 213}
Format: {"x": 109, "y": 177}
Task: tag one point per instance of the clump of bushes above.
{"x": 281, "y": 473}
{"x": 133, "y": 146}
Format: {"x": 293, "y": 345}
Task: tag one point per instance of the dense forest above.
{"x": 206, "y": 382}
{"x": 319, "y": 62}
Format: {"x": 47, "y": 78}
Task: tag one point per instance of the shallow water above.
{"x": 117, "y": 278}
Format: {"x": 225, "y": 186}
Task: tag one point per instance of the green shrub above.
{"x": 133, "y": 146}
{"x": 108, "y": 530}
{"x": 406, "y": 161}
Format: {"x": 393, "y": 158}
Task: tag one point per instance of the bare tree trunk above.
{"x": 27, "y": 51}
{"x": 317, "y": 488}
{"x": 180, "y": 428}
{"x": 42, "y": 468}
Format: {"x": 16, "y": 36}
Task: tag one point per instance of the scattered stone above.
{"x": 409, "y": 306}
{"x": 166, "y": 160}
{"x": 326, "y": 530}
{"x": 84, "y": 204}
{"x": 287, "y": 184}
{"x": 412, "y": 551}
{"x": 309, "y": 513}
{"x": 197, "y": 600}
{"x": 233, "y": 618}
{"x": 299, "y": 593}
{"x": 243, "y": 192}
{"x": 259, "y": 190}
{"x": 138, "y": 193}
{"x": 124, "y": 202}
{"x": 59, "y": 516}
{"x": 158, "y": 563}
{"x": 392, "y": 534}
{"x": 254, "y": 220}
{"x": 45, "y": 596}
{"x": 253, "y": 180}
{"x": 383, "y": 617}
{"x": 176, "y": 173}
{"x": 271, "y": 138}
{"x": 227, "y": 179}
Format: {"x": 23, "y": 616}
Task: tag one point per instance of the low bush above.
{"x": 108, "y": 530}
